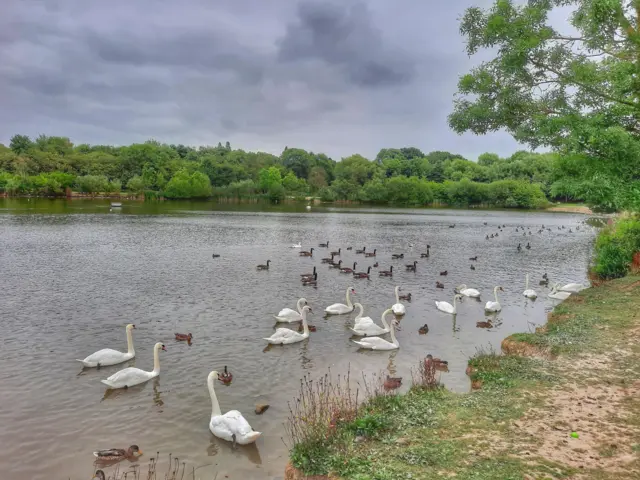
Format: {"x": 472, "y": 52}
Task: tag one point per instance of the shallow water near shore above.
{"x": 75, "y": 273}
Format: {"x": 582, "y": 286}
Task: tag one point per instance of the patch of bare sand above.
{"x": 597, "y": 414}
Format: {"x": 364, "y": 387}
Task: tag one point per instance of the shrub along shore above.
{"x": 562, "y": 402}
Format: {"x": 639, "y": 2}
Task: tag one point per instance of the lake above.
{"x": 74, "y": 273}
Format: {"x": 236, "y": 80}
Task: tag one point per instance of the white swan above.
{"x": 446, "y": 307}
{"x": 494, "y": 306}
{"x": 341, "y": 308}
{"x": 556, "y": 294}
{"x": 296, "y": 245}
{"x": 359, "y": 318}
{"x": 289, "y": 315}
{"x": 529, "y": 292}
{"x": 377, "y": 343}
{"x": 108, "y": 356}
{"x": 128, "y": 377}
{"x": 468, "y": 292}
{"x": 398, "y": 308}
{"x": 366, "y": 328}
{"x": 284, "y": 336}
{"x": 231, "y": 426}
{"x": 572, "y": 287}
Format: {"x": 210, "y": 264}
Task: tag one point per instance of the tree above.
{"x": 20, "y": 144}
{"x": 317, "y": 178}
{"x": 577, "y": 91}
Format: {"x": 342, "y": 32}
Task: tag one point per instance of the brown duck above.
{"x": 183, "y": 337}
{"x": 112, "y": 454}
{"x": 226, "y": 377}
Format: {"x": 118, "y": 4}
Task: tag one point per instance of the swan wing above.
{"x": 106, "y": 356}
{"x": 288, "y": 312}
{"x": 444, "y": 306}
{"x": 364, "y": 322}
{"x": 337, "y": 308}
{"x": 283, "y": 335}
{"x": 470, "y": 292}
{"x": 369, "y": 330}
{"x": 233, "y": 423}
{"x": 374, "y": 343}
{"x": 127, "y": 377}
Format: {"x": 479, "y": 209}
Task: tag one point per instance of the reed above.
{"x": 175, "y": 470}
{"x": 424, "y": 376}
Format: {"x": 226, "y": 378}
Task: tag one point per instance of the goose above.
{"x": 327, "y": 259}
{"x": 349, "y": 248}
{"x": 336, "y": 253}
{"x": 108, "y": 356}
{"x": 365, "y": 326}
{"x": 111, "y": 454}
{"x": 397, "y": 256}
{"x": 324, "y": 245}
{"x": 128, "y": 377}
{"x": 362, "y": 274}
{"x": 341, "y": 308}
{"x": 468, "y": 292}
{"x": 572, "y": 287}
{"x": 519, "y": 247}
{"x": 336, "y": 265}
{"x": 386, "y": 273}
{"x": 398, "y": 308}
{"x": 494, "y": 306}
{"x": 412, "y": 267}
{"x": 370, "y": 254}
{"x": 231, "y": 426}
{"x": 558, "y": 295}
{"x": 284, "y": 336}
{"x": 474, "y": 259}
{"x": 446, "y": 307}
{"x": 361, "y": 251}
{"x": 296, "y": 245}
{"x": 377, "y": 343}
{"x": 472, "y": 267}
{"x": 307, "y": 254}
{"x": 528, "y": 292}
{"x": 215, "y": 255}
{"x": 406, "y": 297}
{"x": 308, "y": 275}
{"x": 288, "y": 315}
{"x": 264, "y": 267}
{"x": 349, "y": 270}
{"x": 528, "y": 246}
{"x": 313, "y": 281}
{"x": 426, "y": 254}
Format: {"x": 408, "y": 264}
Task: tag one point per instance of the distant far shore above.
{"x": 569, "y": 208}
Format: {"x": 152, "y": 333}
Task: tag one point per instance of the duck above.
{"x": 444, "y": 273}
{"x": 528, "y": 292}
{"x": 336, "y": 254}
{"x": 308, "y": 275}
{"x": 349, "y": 248}
{"x": 226, "y": 377}
{"x": 439, "y": 284}
{"x": 307, "y": 254}
{"x": 557, "y": 294}
{"x": 215, "y": 255}
{"x": 231, "y": 426}
{"x": 406, "y": 297}
{"x": 474, "y": 259}
{"x": 412, "y": 266}
{"x": 310, "y": 281}
{"x": 362, "y": 274}
{"x": 337, "y": 264}
{"x": 111, "y": 454}
{"x": 452, "y": 226}
{"x": 397, "y": 256}
{"x": 285, "y": 336}
{"x": 349, "y": 270}
{"x": 386, "y": 273}
{"x": 436, "y": 362}
{"x": 264, "y": 267}
{"x": 494, "y": 306}
{"x": 486, "y": 324}
{"x": 472, "y": 267}
{"x": 446, "y": 307}
{"x": 365, "y": 326}
{"x": 324, "y": 245}
{"x": 375, "y": 265}
{"x": 377, "y": 343}
{"x": 340, "y": 308}
{"x": 181, "y": 337}
{"x": 289, "y": 315}
{"x": 423, "y": 330}
{"x": 398, "y": 308}
{"x": 370, "y": 254}
{"x": 312, "y": 328}
{"x": 391, "y": 383}
{"x": 362, "y": 250}
{"x": 468, "y": 292}
{"x": 128, "y": 377}
{"x": 108, "y": 356}
{"x": 327, "y": 259}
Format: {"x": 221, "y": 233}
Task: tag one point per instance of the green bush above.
{"x": 615, "y": 247}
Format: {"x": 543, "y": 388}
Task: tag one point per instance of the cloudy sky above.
{"x": 333, "y": 76}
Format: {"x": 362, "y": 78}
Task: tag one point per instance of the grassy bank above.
{"x": 578, "y": 374}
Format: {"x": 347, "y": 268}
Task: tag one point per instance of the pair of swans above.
{"x": 108, "y": 356}
{"x": 365, "y": 326}
{"x": 341, "y": 308}
{"x": 377, "y": 343}
{"x": 285, "y": 336}
{"x": 128, "y": 377}
{"x": 468, "y": 292}
{"x": 398, "y": 308}
{"x": 490, "y": 306}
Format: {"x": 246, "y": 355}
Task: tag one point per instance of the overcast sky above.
{"x": 333, "y": 76}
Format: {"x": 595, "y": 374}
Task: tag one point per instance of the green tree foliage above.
{"x": 615, "y": 248}
{"x": 576, "y": 90}
{"x": 186, "y": 185}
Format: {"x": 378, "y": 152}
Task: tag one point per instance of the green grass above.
{"x": 434, "y": 434}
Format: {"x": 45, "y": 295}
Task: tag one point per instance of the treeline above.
{"x": 406, "y": 176}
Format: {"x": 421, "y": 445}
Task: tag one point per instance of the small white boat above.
{"x": 116, "y": 205}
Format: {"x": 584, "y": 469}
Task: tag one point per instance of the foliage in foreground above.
{"x": 616, "y": 246}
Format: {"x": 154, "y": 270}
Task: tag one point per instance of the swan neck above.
{"x": 392, "y": 331}
{"x": 495, "y": 293}
{"x": 360, "y": 312}
{"x": 526, "y": 283}
{"x": 455, "y": 304}
{"x": 397, "y": 296}
{"x": 215, "y": 406}
{"x": 349, "y": 298}
{"x": 156, "y": 360}
{"x": 384, "y": 319}
{"x": 130, "y": 349}
{"x": 299, "y": 306}
{"x": 305, "y": 325}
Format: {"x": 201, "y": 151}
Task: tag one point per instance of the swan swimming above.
{"x": 446, "y": 307}
{"x": 529, "y": 292}
{"x": 572, "y": 287}
{"x": 365, "y": 326}
{"x": 558, "y": 295}
{"x": 377, "y": 343}
{"x": 468, "y": 292}
{"x": 289, "y": 315}
{"x": 494, "y": 306}
{"x": 108, "y": 356}
{"x": 341, "y": 308}
{"x": 231, "y": 426}
{"x": 128, "y": 377}
{"x": 398, "y": 308}
{"x": 284, "y": 336}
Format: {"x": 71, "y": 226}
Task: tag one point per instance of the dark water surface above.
{"x": 74, "y": 273}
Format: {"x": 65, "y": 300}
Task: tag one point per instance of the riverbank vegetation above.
{"x": 563, "y": 402}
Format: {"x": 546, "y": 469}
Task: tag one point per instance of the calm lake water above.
{"x": 73, "y": 274}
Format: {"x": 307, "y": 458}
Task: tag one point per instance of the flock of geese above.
{"x": 232, "y": 426}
